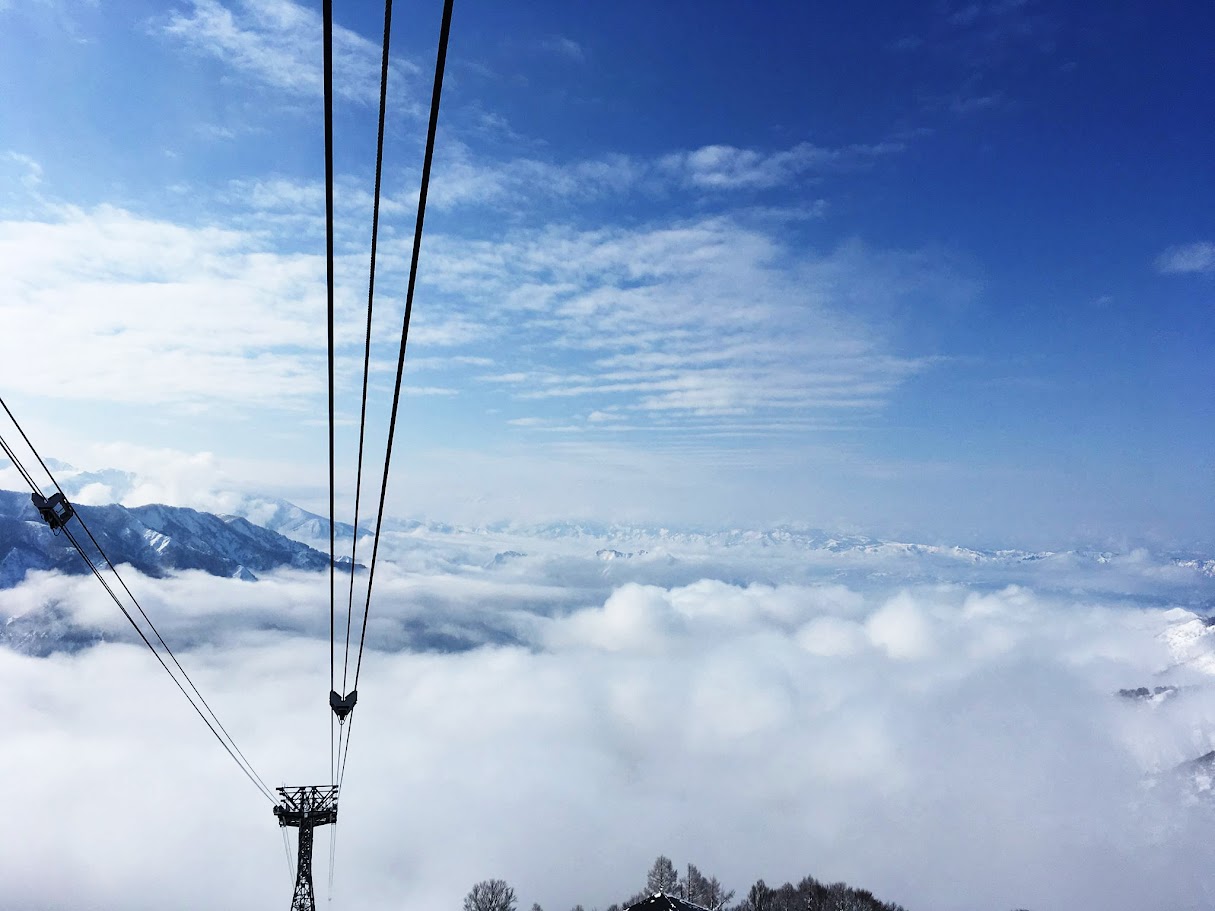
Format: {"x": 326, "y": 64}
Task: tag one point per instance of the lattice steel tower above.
{"x": 305, "y": 808}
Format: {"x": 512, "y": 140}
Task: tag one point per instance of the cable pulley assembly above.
{"x": 342, "y": 705}
{"x": 55, "y": 509}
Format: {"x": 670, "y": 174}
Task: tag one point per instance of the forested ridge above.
{"x": 694, "y": 887}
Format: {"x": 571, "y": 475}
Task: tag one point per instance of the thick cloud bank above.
{"x": 558, "y": 722}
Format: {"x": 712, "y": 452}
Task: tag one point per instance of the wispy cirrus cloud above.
{"x": 711, "y": 326}
{"x": 988, "y": 33}
{"x": 982, "y": 43}
{"x": 467, "y": 179}
{"x": 725, "y": 167}
{"x": 278, "y": 43}
{"x": 700, "y": 323}
{"x": 30, "y": 171}
{"x": 564, "y": 47}
{"x": 464, "y": 179}
{"x": 1197, "y": 257}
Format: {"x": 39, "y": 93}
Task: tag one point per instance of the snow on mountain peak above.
{"x": 1190, "y": 640}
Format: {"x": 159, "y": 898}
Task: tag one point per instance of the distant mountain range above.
{"x": 611, "y": 541}
{"x": 156, "y": 540}
{"x": 815, "y": 539}
{"x": 290, "y": 520}
{"x": 259, "y": 534}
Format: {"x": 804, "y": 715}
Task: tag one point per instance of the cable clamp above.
{"x": 55, "y": 509}
{"x": 342, "y": 705}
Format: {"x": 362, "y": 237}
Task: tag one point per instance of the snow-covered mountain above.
{"x": 596, "y": 553}
{"x": 156, "y": 540}
{"x": 639, "y": 539}
{"x": 1190, "y": 640}
{"x": 290, "y": 520}
{"x": 46, "y": 631}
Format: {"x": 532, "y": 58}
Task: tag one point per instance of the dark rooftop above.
{"x": 660, "y": 901}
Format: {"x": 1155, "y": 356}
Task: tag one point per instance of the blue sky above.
{"x": 938, "y": 270}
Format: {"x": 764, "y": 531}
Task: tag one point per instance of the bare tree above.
{"x": 705, "y": 891}
{"x": 662, "y": 877}
{"x": 694, "y": 886}
{"x": 490, "y": 895}
{"x": 716, "y": 896}
{"x": 759, "y": 898}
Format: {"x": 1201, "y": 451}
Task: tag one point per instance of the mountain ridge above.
{"x": 154, "y": 539}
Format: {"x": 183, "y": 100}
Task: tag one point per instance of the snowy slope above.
{"x": 289, "y": 520}
{"x": 1190, "y": 640}
{"x": 156, "y": 540}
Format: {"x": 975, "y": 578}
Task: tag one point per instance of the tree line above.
{"x": 809, "y": 894}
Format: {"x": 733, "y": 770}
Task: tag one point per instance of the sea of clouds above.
{"x": 541, "y": 707}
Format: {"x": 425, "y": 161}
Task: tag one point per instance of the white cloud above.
{"x": 31, "y": 177}
{"x": 153, "y": 312}
{"x": 635, "y": 618}
{"x": 565, "y": 47}
{"x": 699, "y": 319}
{"x": 440, "y": 362}
{"x": 668, "y": 323}
{"x": 284, "y": 198}
{"x": 1196, "y": 257}
{"x": 685, "y": 331}
{"x": 901, "y": 628}
{"x": 758, "y": 729}
{"x": 831, "y": 636}
{"x": 428, "y": 390}
{"x": 446, "y": 331}
{"x": 278, "y": 42}
{"x": 150, "y": 312}
{"x": 970, "y": 104}
{"x": 465, "y": 179}
{"x": 723, "y": 167}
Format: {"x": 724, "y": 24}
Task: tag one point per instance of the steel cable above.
{"x": 432, "y": 129}
{"x": 327, "y": 16}
{"x": 233, "y": 750}
{"x": 375, "y": 231}
{"x": 431, "y": 132}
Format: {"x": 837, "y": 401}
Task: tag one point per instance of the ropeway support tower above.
{"x": 305, "y": 808}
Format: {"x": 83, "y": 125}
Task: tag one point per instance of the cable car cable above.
{"x": 345, "y": 755}
{"x": 332, "y": 855}
{"x": 375, "y": 230}
{"x": 244, "y": 767}
{"x": 16, "y": 464}
{"x": 248, "y": 770}
{"x": 242, "y": 762}
{"x": 436, "y": 96}
{"x": 287, "y": 851}
{"x": 108, "y": 562}
{"x": 327, "y": 16}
